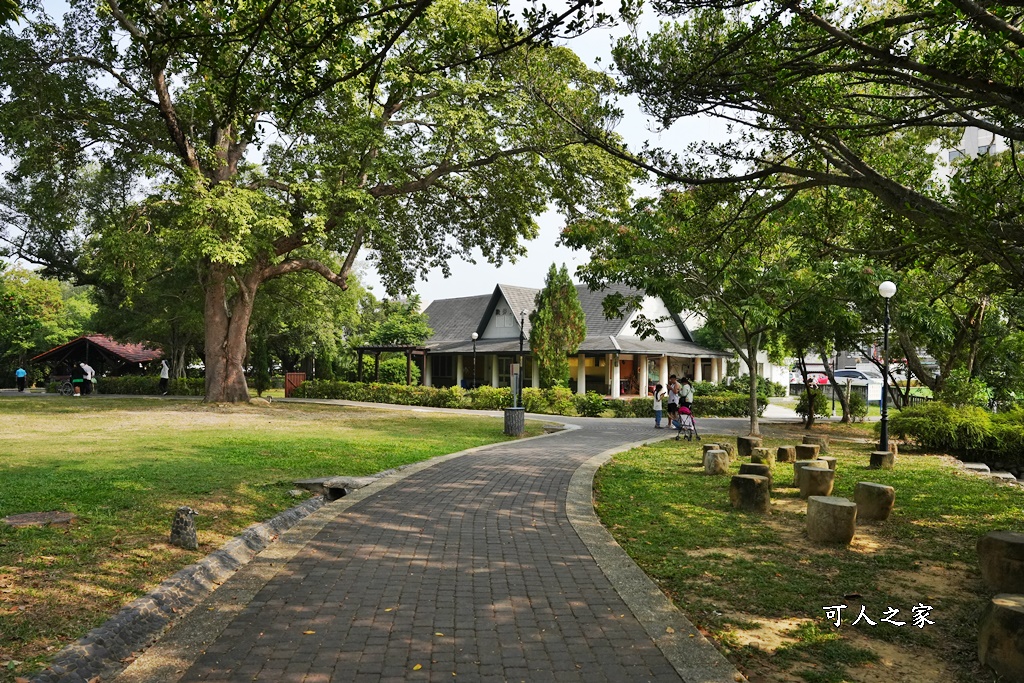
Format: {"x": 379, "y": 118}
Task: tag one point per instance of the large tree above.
{"x": 817, "y": 93}
{"x": 248, "y": 141}
{"x": 557, "y": 327}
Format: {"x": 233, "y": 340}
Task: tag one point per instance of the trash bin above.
{"x": 515, "y": 421}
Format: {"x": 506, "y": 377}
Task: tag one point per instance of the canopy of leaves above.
{"x": 557, "y": 327}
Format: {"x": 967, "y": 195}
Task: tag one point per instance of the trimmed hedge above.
{"x": 142, "y": 385}
{"x": 938, "y": 426}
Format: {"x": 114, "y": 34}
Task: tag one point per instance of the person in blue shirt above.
{"x": 20, "y": 375}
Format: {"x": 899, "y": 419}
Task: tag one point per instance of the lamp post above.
{"x": 887, "y": 289}
{"x": 522, "y": 336}
{"x": 474, "y": 337}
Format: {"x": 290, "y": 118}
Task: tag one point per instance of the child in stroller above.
{"x": 685, "y": 424}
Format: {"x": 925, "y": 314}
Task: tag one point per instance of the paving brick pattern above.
{"x": 466, "y": 571}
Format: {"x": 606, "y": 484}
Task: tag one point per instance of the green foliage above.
{"x": 261, "y": 367}
{"x": 858, "y": 406}
{"x": 620, "y": 407}
{"x": 726, "y": 405}
{"x": 145, "y": 385}
{"x": 551, "y": 401}
{"x": 961, "y": 390}
{"x": 399, "y": 323}
{"x": 642, "y": 407}
{"x": 765, "y": 388}
{"x": 938, "y": 426}
{"x": 590, "y": 404}
{"x": 818, "y": 401}
{"x": 557, "y": 326}
{"x": 393, "y": 371}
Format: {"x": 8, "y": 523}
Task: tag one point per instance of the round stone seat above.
{"x": 746, "y": 444}
{"x": 750, "y": 492}
{"x": 874, "y": 501}
{"x": 785, "y": 454}
{"x": 1001, "y": 636}
{"x": 759, "y": 469}
{"x": 762, "y": 455}
{"x": 716, "y": 462}
{"x": 709, "y": 447}
{"x": 1001, "y": 556}
{"x": 816, "y": 481}
{"x": 882, "y": 460}
{"x": 831, "y": 519}
{"x": 807, "y": 451}
{"x": 819, "y": 440}
{"x": 799, "y": 465}
{"x": 829, "y": 460}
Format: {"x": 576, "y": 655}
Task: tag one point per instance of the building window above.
{"x": 505, "y": 371}
{"x": 503, "y": 318}
{"x": 442, "y": 370}
{"x": 955, "y": 154}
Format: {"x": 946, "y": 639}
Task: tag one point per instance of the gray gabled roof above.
{"x": 455, "y": 319}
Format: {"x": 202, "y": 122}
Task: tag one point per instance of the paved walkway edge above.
{"x": 169, "y": 657}
{"x": 692, "y": 655}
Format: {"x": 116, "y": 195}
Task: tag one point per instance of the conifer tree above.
{"x": 557, "y": 327}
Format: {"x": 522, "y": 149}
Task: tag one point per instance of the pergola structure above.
{"x": 409, "y": 352}
{"x": 106, "y": 355}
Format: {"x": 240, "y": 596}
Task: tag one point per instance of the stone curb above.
{"x": 694, "y": 657}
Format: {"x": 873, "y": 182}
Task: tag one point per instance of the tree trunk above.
{"x": 226, "y": 322}
{"x": 844, "y": 400}
{"x": 751, "y": 360}
{"x": 801, "y": 363}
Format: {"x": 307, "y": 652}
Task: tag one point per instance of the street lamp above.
{"x": 887, "y": 289}
{"x": 522, "y": 335}
{"x": 474, "y": 337}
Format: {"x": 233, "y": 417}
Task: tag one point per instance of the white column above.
{"x": 494, "y": 371}
{"x": 715, "y": 375}
{"x": 663, "y": 372}
{"x": 643, "y": 375}
{"x": 698, "y": 370}
{"x": 458, "y": 371}
{"x": 613, "y": 364}
{"x": 581, "y": 373}
{"x": 427, "y": 379}
{"x": 724, "y": 369}
{"x": 534, "y": 373}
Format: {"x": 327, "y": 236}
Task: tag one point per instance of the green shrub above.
{"x": 392, "y": 371}
{"x": 590, "y": 404}
{"x": 726, "y": 405}
{"x": 936, "y": 425}
{"x": 619, "y": 407}
{"x": 560, "y": 400}
{"x": 818, "y": 401}
{"x": 642, "y": 407}
{"x": 960, "y": 390}
{"x": 741, "y": 385}
{"x": 708, "y": 388}
{"x": 143, "y": 385}
{"x": 490, "y": 398}
{"x": 536, "y": 401}
{"x": 858, "y": 406}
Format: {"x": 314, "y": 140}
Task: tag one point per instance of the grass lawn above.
{"x": 122, "y": 466}
{"x": 757, "y": 585}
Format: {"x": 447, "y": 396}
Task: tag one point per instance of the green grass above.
{"x": 123, "y": 465}
{"x": 731, "y": 571}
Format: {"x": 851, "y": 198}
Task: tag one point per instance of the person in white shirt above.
{"x": 165, "y": 376}
{"x": 659, "y": 393}
{"x": 87, "y": 375}
{"x": 686, "y": 393}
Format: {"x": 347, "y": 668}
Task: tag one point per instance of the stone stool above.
{"x": 831, "y": 519}
{"x": 819, "y": 440}
{"x": 816, "y": 481}
{"x": 762, "y": 455}
{"x": 729, "y": 448}
{"x": 807, "y": 451}
{"x": 1001, "y": 636}
{"x": 874, "y": 501}
{"x": 799, "y": 465}
{"x": 746, "y": 444}
{"x": 183, "y": 528}
{"x": 882, "y": 460}
{"x": 829, "y": 460}
{"x": 786, "y": 454}
{"x": 750, "y": 492}
{"x": 710, "y": 447}
{"x": 716, "y": 462}
{"x": 1001, "y": 556}
{"x": 759, "y": 469}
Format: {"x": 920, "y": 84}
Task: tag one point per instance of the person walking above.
{"x": 686, "y": 393}
{"x": 76, "y": 379}
{"x": 165, "y": 376}
{"x": 87, "y": 375}
{"x": 20, "y": 375}
{"x": 659, "y": 393}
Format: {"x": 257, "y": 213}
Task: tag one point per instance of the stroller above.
{"x": 685, "y": 425}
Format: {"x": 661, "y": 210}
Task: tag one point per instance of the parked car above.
{"x": 873, "y": 381}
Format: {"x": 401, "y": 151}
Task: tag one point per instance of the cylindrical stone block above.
{"x": 816, "y": 481}
{"x": 882, "y": 460}
{"x": 1001, "y": 637}
{"x": 746, "y": 444}
{"x": 716, "y": 462}
{"x": 515, "y": 421}
{"x": 799, "y": 465}
{"x": 1001, "y": 556}
{"x": 786, "y": 454}
{"x": 762, "y": 455}
{"x": 710, "y": 447}
{"x": 183, "y": 528}
{"x": 729, "y": 448}
{"x": 750, "y": 492}
{"x": 874, "y": 501}
{"x": 759, "y": 469}
{"x": 831, "y": 519}
{"x": 828, "y": 460}
{"x": 820, "y": 440}
{"x": 807, "y": 451}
